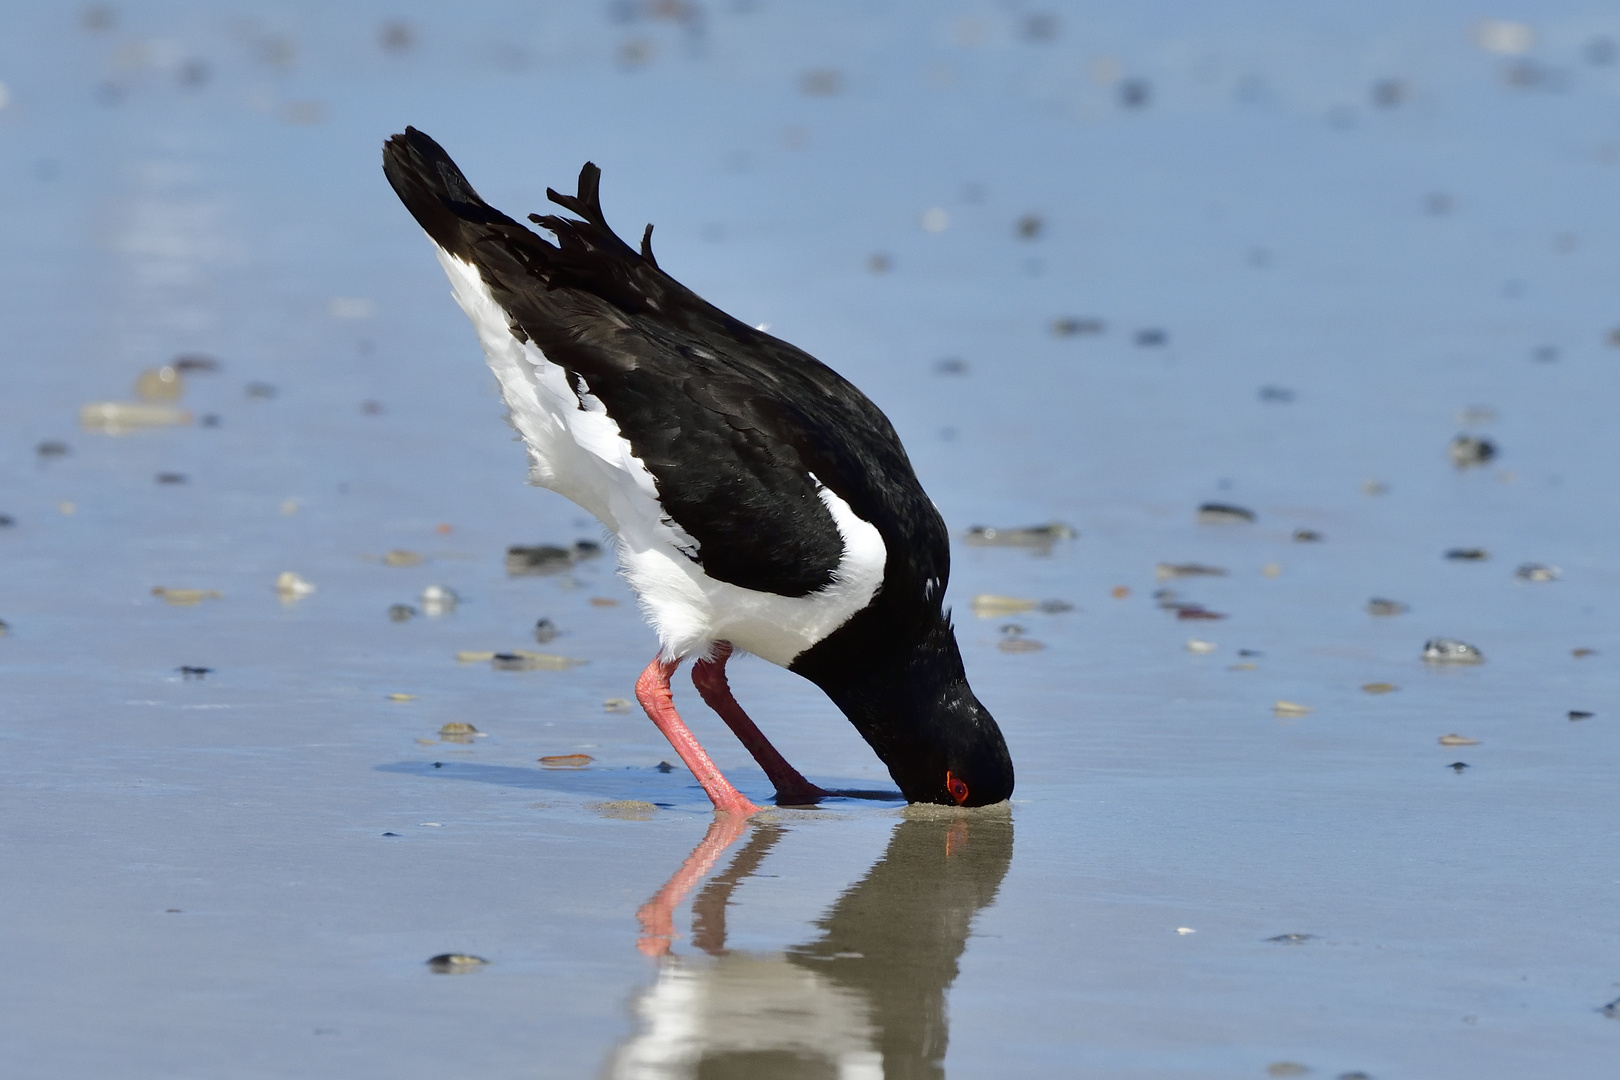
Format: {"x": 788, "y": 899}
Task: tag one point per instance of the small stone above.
{"x": 1382, "y": 607}
{"x": 523, "y": 660}
{"x": 1166, "y": 571}
{"x": 566, "y": 761}
{"x": 1536, "y": 572}
{"x": 401, "y": 557}
{"x": 1472, "y": 554}
{"x": 664, "y": 767}
{"x": 1291, "y": 708}
{"x": 1291, "y": 939}
{"x": 1307, "y": 536}
{"x": 1054, "y": 607}
{"x": 1151, "y": 338}
{"x": 1070, "y": 327}
{"x": 1379, "y": 688}
{"x": 1190, "y": 612}
{"x": 1580, "y": 714}
{"x": 1457, "y": 767}
{"x": 545, "y": 630}
{"x": 1467, "y": 451}
{"x": 1120, "y": 592}
{"x": 616, "y": 705}
{"x": 457, "y": 731}
{"x": 188, "y": 672}
{"x": 1457, "y": 740}
{"x": 51, "y": 448}
{"x": 1038, "y": 537}
{"x": 1223, "y": 514}
{"x": 1582, "y": 653}
{"x": 401, "y": 613}
{"x": 1450, "y": 651}
{"x": 537, "y": 559}
{"x": 455, "y": 963}
{"x": 603, "y": 601}
{"x": 625, "y": 809}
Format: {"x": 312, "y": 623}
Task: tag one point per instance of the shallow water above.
{"x": 1311, "y": 243}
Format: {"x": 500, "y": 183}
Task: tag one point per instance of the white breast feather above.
{"x": 578, "y": 453}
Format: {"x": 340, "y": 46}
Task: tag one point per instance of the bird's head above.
{"x": 917, "y": 711}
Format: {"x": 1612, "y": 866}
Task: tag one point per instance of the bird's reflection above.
{"x": 863, "y": 1000}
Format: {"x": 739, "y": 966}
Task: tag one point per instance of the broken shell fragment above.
{"x": 1450, "y": 651}
{"x": 455, "y": 963}
{"x": 1291, "y": 708}
{"x": 439, "y": 600}
{"x": 992, "y": 606}
{"x": 160, "y": 384}
{"x": 1379, "y": 606}
{"x": 1199, "y": 645}
{"x": 459, "y": 731}
{"x": 116, "y": 417}
{"x": 566, "y": 761}
{"x": 185, "y": 597}
{"x": 1457, "y": 740}
{"x": 1379, "y": 688}
{"x": 401, "y": 557}
{"x": 292, "y": 587}
{"x": 1536, "y": 572}
{"x": 1223, "y": 514}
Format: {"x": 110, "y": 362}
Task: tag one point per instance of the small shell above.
{"x": 1450, "y": 651}
{"x": 1457, "y": 740}
{"x": 1292, "y": 708}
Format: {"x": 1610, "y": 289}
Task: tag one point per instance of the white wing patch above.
{"x": 576, "y": 450}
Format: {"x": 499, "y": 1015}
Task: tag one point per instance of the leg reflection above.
{"x": 863, "y": 1000}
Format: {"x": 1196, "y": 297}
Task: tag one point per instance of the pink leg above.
{"x": 709, "y": 676}
{"x": 652, "y": 690}
{"x": 657, "y": 916}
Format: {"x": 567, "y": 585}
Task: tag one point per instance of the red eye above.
{"x": 957, "y": 788}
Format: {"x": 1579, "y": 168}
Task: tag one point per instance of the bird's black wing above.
{"x": 736, "y": 427}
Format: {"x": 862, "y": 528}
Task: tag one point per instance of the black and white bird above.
{"x": 760, "y": 502}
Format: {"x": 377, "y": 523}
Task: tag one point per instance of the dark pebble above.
{"x": 1380, "y": 606}
{"x": 1457, "y": 767}
{"x": 171, "y": 478}
{"x": 194, "y": 672}
{"x": 1292, "y": 939}
{"x": 1466, "y": 451}
{"x": 951, "y": 365}
{"x": 455, "y": 963}
{"x": 400, "y": 612}
{"x": 1468, "y": 554}
{"x": 1152, "y": 338}
{"x": 1072, "y": 327}
{"x": 1223, "y": 514}
{"x": 390, "y": 834}
{"x": 545, "y": 630}
{"x": 664, "y": 767}
{"x": 189, "y": 363}
{"x": 1580, "y": 714}
{"x": 52, "y": 448}
{"x": 1307, "y": 536}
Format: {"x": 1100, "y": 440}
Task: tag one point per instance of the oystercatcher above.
{"x": 760, "y": 501}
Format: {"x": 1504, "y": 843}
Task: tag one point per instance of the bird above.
{"x": 759, "y": 502}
